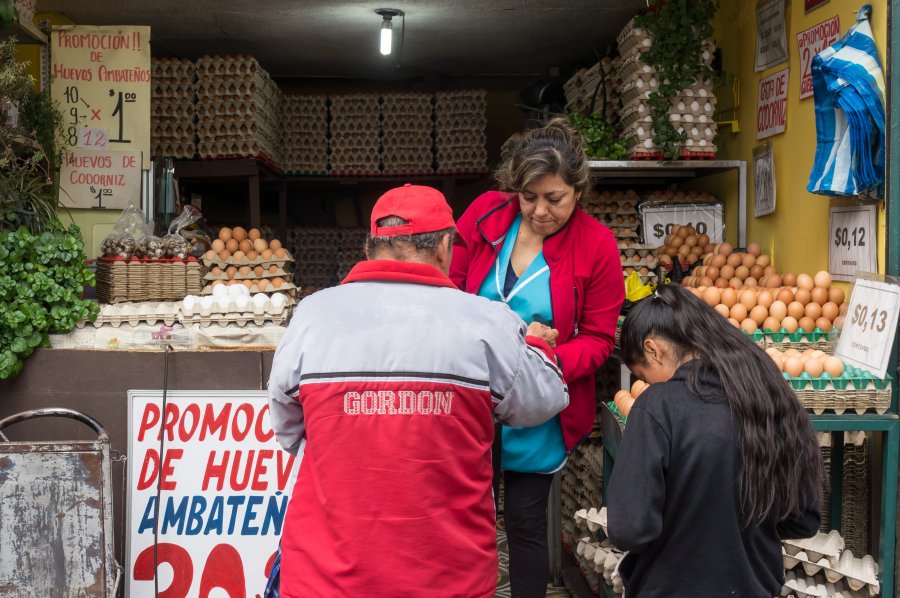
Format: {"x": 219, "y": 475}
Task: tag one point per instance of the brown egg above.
{"x": 793, "y": 367}
{"x": 245, "y": 271}
{"x": 676, "y": 242}
{"x": 734, "y": 259}
{"x": 785, "y": 296}
{"x": 273, "y": 269}
{"x": 703, "y": 240}
{"x": 232, "y": 245}
{"x": 792, "y": 353}
{"x": 757, "y": 271}
{"x": 771, "y": 323}
{"x": 280, "y": 254}
{"x": 238, "y": 234}
{"x": 636, "y": 258}
{"x": 704, "y": 281}
{"x": 723, "y": 310}
{"x": 638, "y": 387}
{"x": 253, "y": 234}
{"x": 239, "y": 256}
{"x": 252, "y": 255}
{"x": 754, "y": 249}
{"x": 216, "y": 271}
{"x": 690, "y": 240}
{"x": 721, "y": 283}
{"x": 790, "y": 324}
{"x": 224, "y": 255}
{"x": 248, "y": 284}
{"x": 225, "y": 234}
{"x": 749, "y": 326}
{"x": 803, "y": 296}
{"x": 259, "y": 271}
{"x": 813, "y": 366}
{"x": 831, "y": 311}
{"x": 843, "y": 307}
{"x": 684, "y": 251}
{"x": 736, "y": 282}
{"x": 712, "y": 296}
{"x": 725, "y": 249}
{"x": 750, "y": 282}
{"x": 729, "y": 298}
{"x": 739, "y": 312}
{"x": 771, "y": 270}
{"x": 820, "y": 295}
{"x": 807, "y": 324}
{"x": 836, "y": 295}
{"x": 726, "y": 272}
{"x": 773, "y": 281}
{"x": 778, "y": 310}
{"x": 232, "y": 282}
{"x": 684, "y": 232}
{"x": 210, "y": 255}
{"x": 275, "y": 244}
{"x": 741, "y": 272}
{"x": 734, "y": 322}
{"x": 795, "y": 309}
{"x": 789, "y": 279}
{"x": 778, "y": 360}
{"x": 748, "y": 298}
{"x": 712, "y": 272}
{"x": 822, "y": 279}
{"x": 664, "y": 259}
{"x": 266, "y": 254}
{"x": 277, "y": 282}
{"x": 260, "y": 245}
{"x": 231, "y": 271}
{"x": 805, "y": 281}
{"x": 839, "y": 322}
{"x": 834, "y": 366}
{"x": 764, "y": 260}
{"x": 748, "y": 260}
{"x": 813, "y": 310}
{"x": 765, "y": 298}
{"x": 824, "y": 324}
{"x": 717, "y": 260}
{"x": 218, "y": 245}
{"x": 759, "y": 314}
{"x": 245, "y": 246}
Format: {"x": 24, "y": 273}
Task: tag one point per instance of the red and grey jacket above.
{"x": 586, "y": 291}
{"x": 391, "y": 385}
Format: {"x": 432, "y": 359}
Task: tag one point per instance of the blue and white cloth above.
{"x": 849, "y": 89}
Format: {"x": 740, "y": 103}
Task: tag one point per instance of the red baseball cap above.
{"x": 424, "y": 208}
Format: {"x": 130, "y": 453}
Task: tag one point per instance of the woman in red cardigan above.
{"x": 533, "y": 248}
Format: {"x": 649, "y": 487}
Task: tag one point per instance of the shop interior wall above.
{"x": 796, "y": 234}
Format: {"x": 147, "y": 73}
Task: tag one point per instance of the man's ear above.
{"x": 444, "y": 254}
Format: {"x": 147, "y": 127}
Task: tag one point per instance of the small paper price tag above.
{"x": 93, "y": 138}
{"x": 852, "y": 244}
{"x": 870, "y": 326}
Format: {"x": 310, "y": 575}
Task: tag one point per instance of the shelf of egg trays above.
{"x": 407, "y": 126}
{"x": 460, "y": 118}
{"x": 355, "y": 143}
{"x": 238, "y": 109}
{"x": 597, "y": 558}
{"x": 618, "y": 211}
{"x": 821, "y": 566}
{"x": 824, "y": 383}
{"x": 172, "y": 108}
{"x": 235, "y": 305}
{"x": 304, "y": 125}
{"x": 241, "y": 257}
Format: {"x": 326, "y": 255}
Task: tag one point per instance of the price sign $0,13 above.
{"x": 870, "y": 326}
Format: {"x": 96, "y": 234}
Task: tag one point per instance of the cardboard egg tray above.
{"x": 799, "y": 586}
{"x": 287, "y": 287}
{"x": 227, "y": 65}
{"x": 627, "y": 262}
{"x": 826, "y": 554}
{"x": 364, "y": 100}
{"x": 237, "y": 109}
{"x": 867, "y": 400}
{"x": 633, "y": 68}
{"x": 450, "y": 138}
{"x": 172, "y": 110}
{"x": 135, "y": 313}
{"x": 172, "y": 67}
{"x": 279, "y": 273}
{"x": 407, "y": 103}
{"x": 281, "y": 263}
{"x": 634, "y": 42}
{"x": 412, "y": 140}
{"x": 445, "y": 123}
{"x": 406, "y": 155}
{"x": 119, "y": 280}
{"x": 342, "y": 125}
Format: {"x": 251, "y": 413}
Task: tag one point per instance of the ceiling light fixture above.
{"x": 387, "y": 30}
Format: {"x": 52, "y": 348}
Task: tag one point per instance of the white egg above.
{"x": 278, "y": 300}
{"x": 220, "y": 290}
{"x": 189, "y": 302}
{"x": 207, "y": 301}
{"x": 234, "y": 290}
{"x": 244, "y": 290}
{"x": 223, "y": 303}
{"x": 260, "y": 299}
{"x": 242, "y": 302}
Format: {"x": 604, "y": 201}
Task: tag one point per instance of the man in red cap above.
{"x": 389, "y": 385}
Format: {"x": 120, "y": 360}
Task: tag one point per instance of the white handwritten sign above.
{"x": 771, "y": 110}
{"x": 852, "y": 246}
{"x": 91, "y": 178}
{"x": 93, "y": 138}
{"x": 811, "y": 42}
{"x": 771, "y": 39}
{"x": 870, "y": 327}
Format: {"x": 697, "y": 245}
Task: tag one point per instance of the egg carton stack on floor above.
{"x": 581, "y": 484}
{"x": 824, "y": 439}
{"x": 460, "y": 140}
{"x": 173, "y": 130}
{"x": 692, "y": 109}
{"x": 355, "y": 144}
{"x": 823, "y": 566}
{"x": 304, "y": 129}
{"x": 855, "y": 500}
{"x": 351, "y": 250}
{"x": 596, "y": 557}
{"x": 238, "y": 107}
{"x": 407, "y": 133}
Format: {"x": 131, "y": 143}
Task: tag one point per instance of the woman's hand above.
{"x": 545, "y": 332}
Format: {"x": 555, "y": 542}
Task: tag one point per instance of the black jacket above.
{"x": 673, "y": 502}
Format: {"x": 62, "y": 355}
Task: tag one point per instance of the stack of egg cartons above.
{"x": 317, "y": 265}
{"x": 692, "y": 109}
{"x": 612, "y": 74}
{"x": 238, "y": 108}
{"x": 304, "y": 126}
{"x": 460, "y": 140}
{"x": 855, "y": 498}
{"x": 172, "y": 108}
{"x": 407, "y": 126}
{"x": 356, "y": 134}
{"x": 575, "y": 92}
{"x": 351, "y": 250}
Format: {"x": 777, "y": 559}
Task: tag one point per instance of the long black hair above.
{"x": 781, "y": 464}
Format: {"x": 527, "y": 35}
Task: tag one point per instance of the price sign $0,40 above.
{"x": 871, "y": 324}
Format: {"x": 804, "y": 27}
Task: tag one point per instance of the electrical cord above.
{"x": 162, "y": 440}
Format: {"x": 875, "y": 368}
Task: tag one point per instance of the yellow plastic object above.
{"x": 635, "y": 289}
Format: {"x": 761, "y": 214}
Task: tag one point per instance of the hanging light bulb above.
{"x": 387, "y": 29}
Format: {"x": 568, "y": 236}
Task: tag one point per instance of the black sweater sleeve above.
{"x": 637, "y": 487}
{"x": 804, "y": 525}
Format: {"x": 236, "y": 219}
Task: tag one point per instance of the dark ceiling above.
{"x": 316, "y": 38}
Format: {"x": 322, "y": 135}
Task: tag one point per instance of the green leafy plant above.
{"x": 42, "y": 280}
{"x": 601, "y": 140}
{"x": 680, "y": 29}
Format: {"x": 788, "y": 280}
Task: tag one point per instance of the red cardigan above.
{"x": 586, "y": 291}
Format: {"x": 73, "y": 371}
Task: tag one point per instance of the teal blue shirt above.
{"x": 540, "y": 449}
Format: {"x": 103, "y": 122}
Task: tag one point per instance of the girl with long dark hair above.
{"x": 718, "y": 462}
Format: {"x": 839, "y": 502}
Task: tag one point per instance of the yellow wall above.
{"x": 796, "y": 234}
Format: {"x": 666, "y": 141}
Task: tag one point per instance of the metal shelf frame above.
{"x": 649, "y": 171}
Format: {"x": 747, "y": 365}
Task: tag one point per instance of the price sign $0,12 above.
{"x": 871, "y": 324}
{"x": 852, "y": 246}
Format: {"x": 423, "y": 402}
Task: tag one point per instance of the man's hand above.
{"x": 545, "y": 332}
